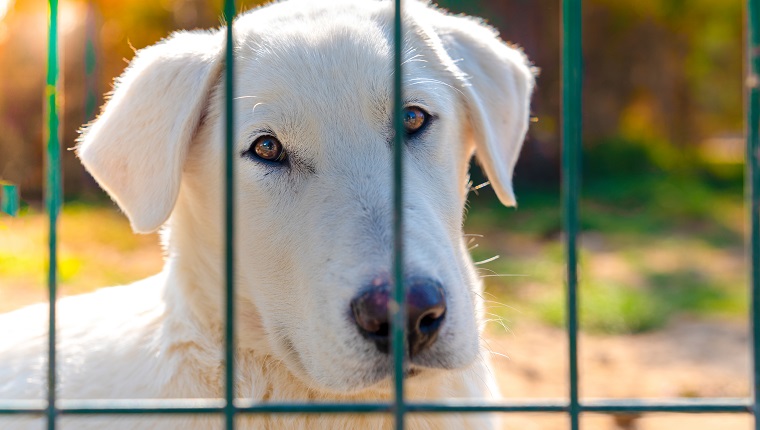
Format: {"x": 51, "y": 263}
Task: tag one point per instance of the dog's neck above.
{"x": 195, "y": 262}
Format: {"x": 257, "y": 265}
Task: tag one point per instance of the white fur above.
{"x": 308, "y": 236}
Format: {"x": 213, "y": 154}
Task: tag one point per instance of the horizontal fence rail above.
{"x": 216, "y": 406}
{"x": 398, "y": 407}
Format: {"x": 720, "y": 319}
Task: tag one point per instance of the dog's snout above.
{"x": 426, "y": 309}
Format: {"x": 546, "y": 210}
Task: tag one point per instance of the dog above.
{"x": 313, "y": 235}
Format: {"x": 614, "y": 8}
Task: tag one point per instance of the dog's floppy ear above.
{"x": 137, "y": 146}
{"x": 496, "y": 82}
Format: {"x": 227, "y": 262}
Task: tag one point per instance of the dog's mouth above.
{"x": 385, "y": 375}
{"x": 412, "y": 372}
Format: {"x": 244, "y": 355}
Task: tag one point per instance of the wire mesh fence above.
{"x": 573, "y": 406}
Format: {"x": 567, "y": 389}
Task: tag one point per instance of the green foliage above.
{"x": 621, "y": 157}
{"x": 660, "y": 238}
{"x": 608, "y": 309}
{"x": 620, "y": 308}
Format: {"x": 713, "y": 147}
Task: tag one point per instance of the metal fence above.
{"x": 229, "y": 407}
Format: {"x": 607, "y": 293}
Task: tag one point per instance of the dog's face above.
{"x": 313, "y": 172}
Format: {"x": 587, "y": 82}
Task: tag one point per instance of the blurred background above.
{"x": 664, "y": 292}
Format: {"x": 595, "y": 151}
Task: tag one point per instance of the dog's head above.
{"x": 313, "y": 172}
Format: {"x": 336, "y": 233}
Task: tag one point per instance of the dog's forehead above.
{"x": 327, "y": 65}
{"x": 329, "y": 68}
{"x": 322, "y": 57}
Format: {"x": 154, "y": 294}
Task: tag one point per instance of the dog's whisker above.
{"x": 485, "y": 269}
{"x": 496, "y": 316}
{"x": 497, "y": 303}
{"x": 502, "y": 305}
{"x": 482, "y": 378}
{"x": 253, "y": 109}
{"x": 484, "y": 184}
{"x": 488, "y": 347}
{"x": 416, "y": 58}
{"x": 488, "y": 260}
{"x": 489, "y": 294}
{"x": 498, "y": 319}
{"x": 490, "y": 370}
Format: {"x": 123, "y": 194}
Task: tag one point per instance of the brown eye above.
{"x": 414, "y": 119}
{"x": 268, "y": 148}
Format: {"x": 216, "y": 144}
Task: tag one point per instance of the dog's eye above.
{"x": 414, "y": 119}
{"x": 268, "y": 148}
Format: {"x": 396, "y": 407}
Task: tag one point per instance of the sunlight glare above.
{"x": 5, "y": 5}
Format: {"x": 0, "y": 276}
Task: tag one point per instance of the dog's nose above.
{"x": 425, "y": 306}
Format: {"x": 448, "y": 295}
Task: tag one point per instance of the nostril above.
{"x": 431, "y": 321}
{"x": 427, "y": 310}
{"x": 383, "y": 331}
{"x": 370, "y": 310}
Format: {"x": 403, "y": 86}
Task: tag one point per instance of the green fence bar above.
{"x": 753, "y": 192}
{"x": 90, "y": 65}
{"x": 229, "y": 193}
{"x": 217, "y": 406}
{"x": 398, "y": 311}
{"x": 572, "y": 76}
{"x": 53, "y": 199}
{"x": 9, "y": 200}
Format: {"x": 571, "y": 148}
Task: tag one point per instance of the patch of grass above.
{"x": 690, "y": 291}
{"x": 608, "y": 308}
{"x": 653, "y": 246}
{"x": 96, "y": 249}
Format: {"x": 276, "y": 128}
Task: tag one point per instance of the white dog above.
{"x": 313, "y": 150}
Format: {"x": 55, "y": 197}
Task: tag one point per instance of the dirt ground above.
{"x": 689, "y": 358}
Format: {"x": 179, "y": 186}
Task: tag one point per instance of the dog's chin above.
{"x": 369, "y": 376}
{"x": 380, "y": 378}
{"x": 374, "y": 381}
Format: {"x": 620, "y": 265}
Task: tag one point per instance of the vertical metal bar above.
{"x": 753, "y": 192}
{"x": 572, "y": 75}
{"x": 53, "y": 199}
{"x": 229, "y": 192}
{"x": 90, "y": 64}
{"x": 398, "y": 311}
{"x": 9, "y": 199}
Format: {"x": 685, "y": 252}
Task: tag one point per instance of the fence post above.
{"x": 229, "y": 192}
{"x": 753, "y": 190}
{"x": 398, "y": 310}
{"x": 572, "y": 80}
{"x": 53, "y": 197}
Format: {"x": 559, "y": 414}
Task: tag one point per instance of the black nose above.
{"x": 425, "y": 306}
